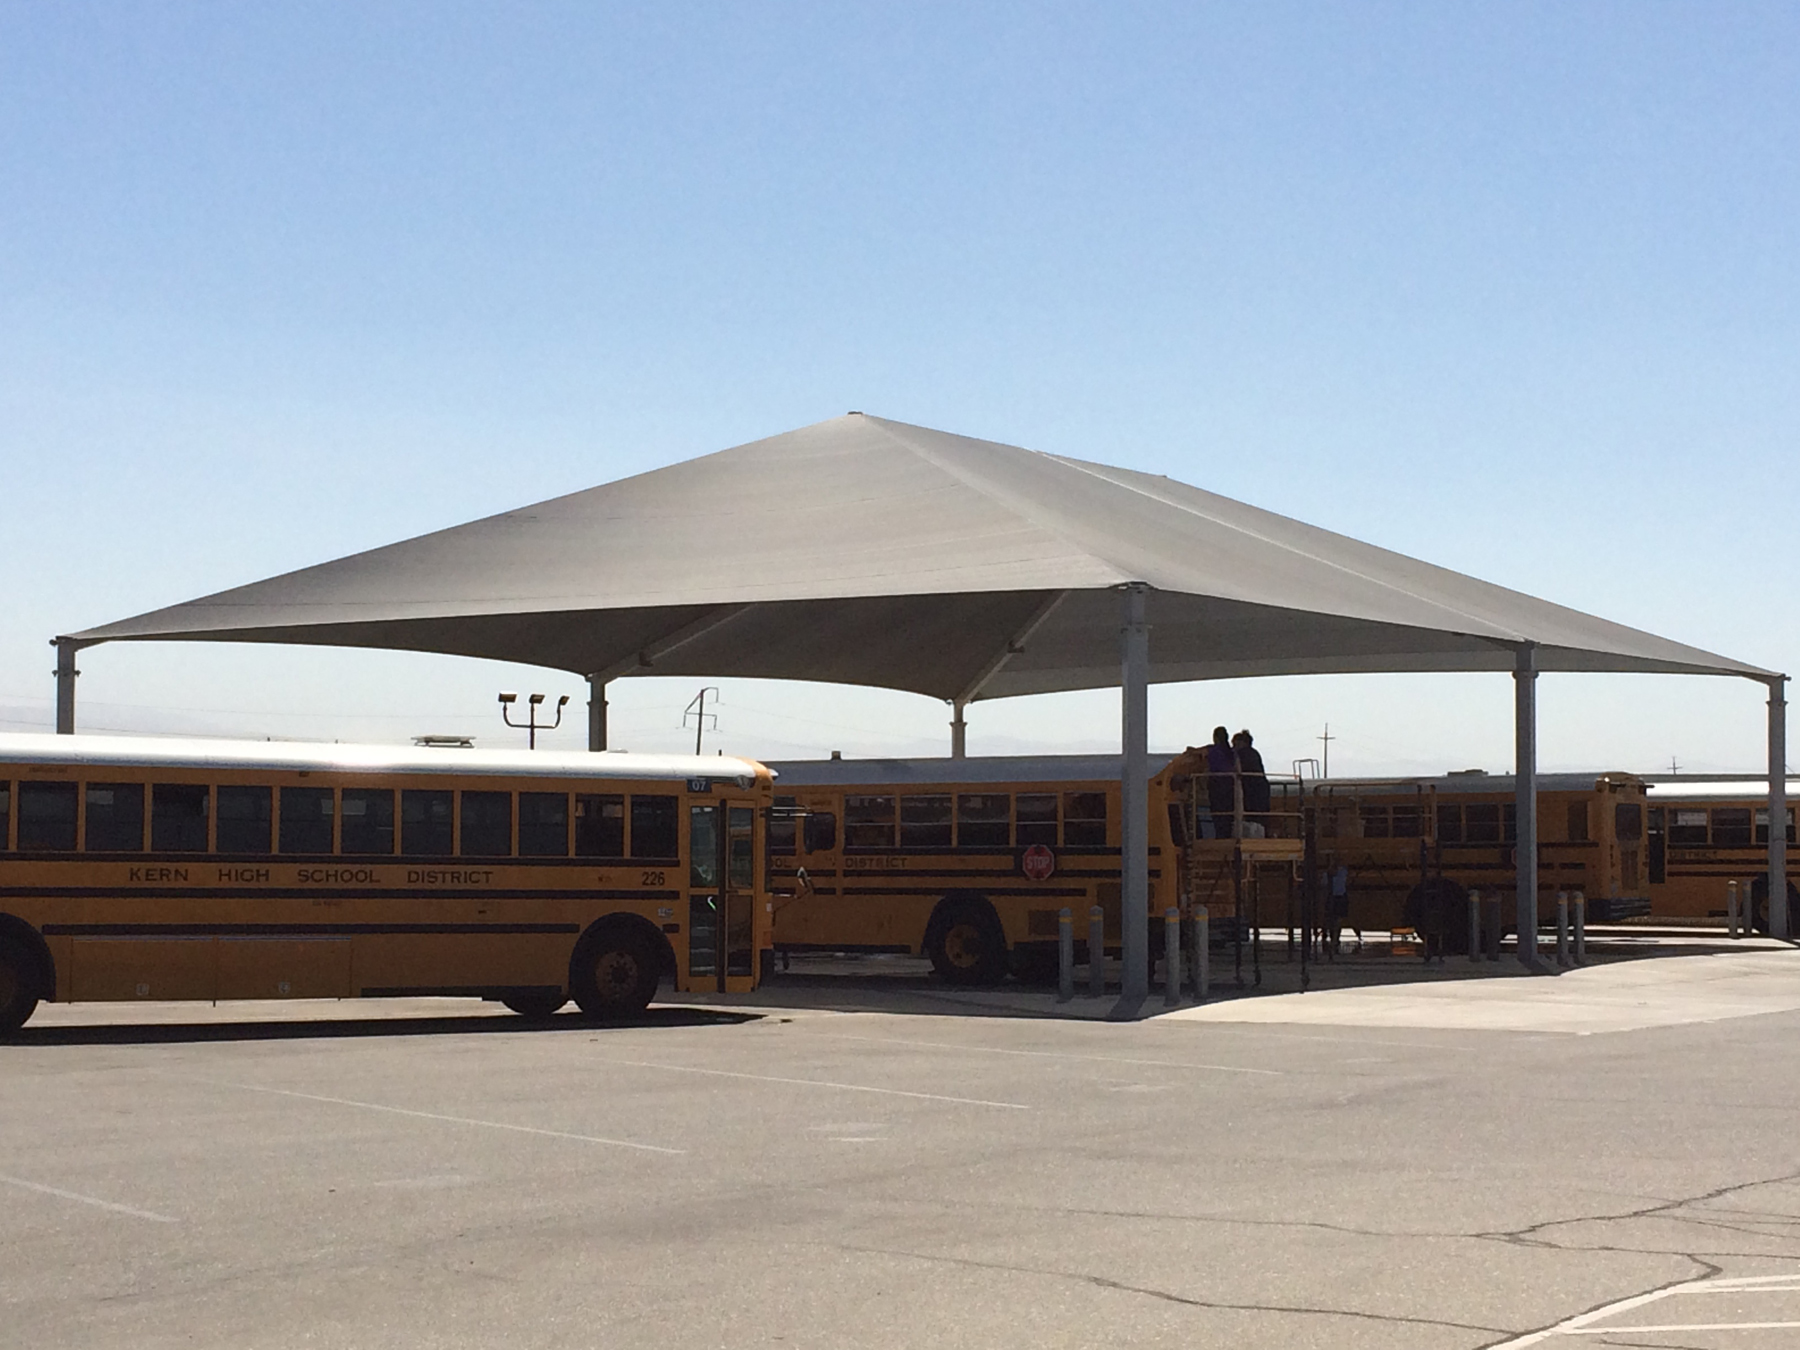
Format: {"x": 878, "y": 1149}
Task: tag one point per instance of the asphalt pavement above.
{"x": 877, "y": 1166}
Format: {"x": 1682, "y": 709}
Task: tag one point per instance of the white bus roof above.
{"x": 982, "y": 769}
{"x": 1742, "y": 790}
{"x": 195, "y": 753}
{"x": 1503, "y": 783}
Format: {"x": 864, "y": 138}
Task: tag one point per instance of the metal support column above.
{"x": 1525, "y": 801}
{"x": 596, "y": 713}
{"x": 959, "y": 730}
{"x": 1779, "y": 918}
{"x": 65, "y": 684}
{"x": 1134, "y": 786}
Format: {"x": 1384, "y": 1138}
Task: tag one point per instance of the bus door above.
{"x": 706, "y": 849}
{"x": 1658, "y": 840}
{"x": 738, "y": 910}
{"x": 722, "y": 895}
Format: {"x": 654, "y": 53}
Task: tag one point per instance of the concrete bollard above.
{"x": 1580, "y": 928}
{"x": 1065, "y": 955}
{"x": 1171, "y": 957}
{"x": 1731, "y": 907}
{"x": 1562, "y": 930}
{"x": 1202, "y": 954}
{"x": 1474, "y": 925}
{"x": 1096, "y": 952}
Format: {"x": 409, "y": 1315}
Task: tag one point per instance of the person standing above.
{"x": 1255, "y": 781}
{"x": 1221, "y": 782}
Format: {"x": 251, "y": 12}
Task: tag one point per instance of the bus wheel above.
{"x": 966, "y": 944}
{"x": 18, "y": 987}
{"x": 536, "y": 1007}
{"x": 614, "y": 974}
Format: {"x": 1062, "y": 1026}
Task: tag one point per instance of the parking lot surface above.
{"x": 794, "y": 1173}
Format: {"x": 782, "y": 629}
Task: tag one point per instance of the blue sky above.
{"x": 1511, "y": 287}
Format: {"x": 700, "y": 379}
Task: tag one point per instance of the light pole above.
{"x": 531, "y": 725}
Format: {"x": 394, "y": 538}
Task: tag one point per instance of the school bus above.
{"x": 1702, "y": 835}
{"x": 1393, "y": 836}
{"x": 969, "y": 861}
{"x": 136, "y": 869}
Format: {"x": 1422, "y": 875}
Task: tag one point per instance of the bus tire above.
{"x": 966, "y": 943}
{"x": 536, "y": 1007}
{"x": 19, "y": 985}
{"x": 615, "y": 970}
{"x": 1759, "y": 905}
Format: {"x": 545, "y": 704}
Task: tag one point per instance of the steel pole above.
{"x": 1525, "y": 798}
{"x": 1778, "y": 905}
{"x": 596, "y": 713}
{"x": 65, "y": 684}
{"x": 1134, "y": 788}
{"x": 959, "y": 731}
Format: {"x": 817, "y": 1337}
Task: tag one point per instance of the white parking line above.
{"x": 453, "y": 1120}
{"x": 1050, "y": 1054}
{"x": 80, "y": 1199}
{"x": 1583, "y": 1324}
{"x": 1678, "y": 1326}
{"x": 821, "y": 1083}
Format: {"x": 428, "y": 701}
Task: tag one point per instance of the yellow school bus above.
{"x": 136, "y": 869}
{"x": 1703, "y": 834}
{"x": 1393, "y": 835}
{"x": 969, "y": 861}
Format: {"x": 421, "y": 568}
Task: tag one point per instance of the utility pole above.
{"x": 1326, "y": 740}
{"x": 696, "y": 709}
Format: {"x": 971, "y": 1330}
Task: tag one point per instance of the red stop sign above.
{"x": 1038, "y": 863}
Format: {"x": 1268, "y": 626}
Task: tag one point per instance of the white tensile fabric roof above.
{"x": 865, "y": 551}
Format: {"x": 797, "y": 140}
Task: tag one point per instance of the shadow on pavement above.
{"x": 165, "y": 1033}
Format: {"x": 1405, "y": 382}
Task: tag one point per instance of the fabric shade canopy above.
{"x": 865, "y": 551}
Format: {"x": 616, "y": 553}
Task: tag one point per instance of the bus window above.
{"x": 1375, "y": 822}
{"x": 1687, "y": 829}
{"x": 1628, "y": 822}
{"x": 305, "y": 820}
{"x": 47, "y": 816}
{"x": 703, "y": 846}
{"x": 543, "y": 824}
{"x": 1449, "y": 825}
{"x": 820, "y": 831}
{"x": 1731, "y": 827}
{"x": 486, "y": 824}
{"x": 599, "y": 825}
{"x": 178, "y": 817}
{"x": 1578, "y": 822}
{"x": 655, "y": 827}
{"x": 1509, "y": 822}
{"x": 1762, "y": 825}
{"x": 1483, "y": 821}
{"x": 740, "y": 857}
{"x": 1658, "y": 845}
{"x": 868, "y": 822}
{"x": 1406, "y": 822}
{"x": 1084, "y": 820}
{"x": 783, "y": 831}
{"x": 925, "y": 822}
{"x": 368, "y": 821}
{"x": 245, "y": 819}
{"x": 983, "y": 820}
{"x": 424, "y": 822}
{"x": 1037, "y": 819}
{"x": 115, "y": 817}
{"x": 6, "y": 815}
